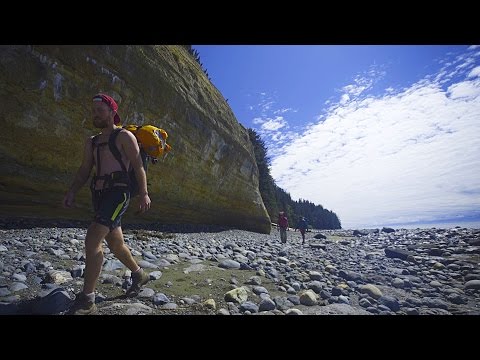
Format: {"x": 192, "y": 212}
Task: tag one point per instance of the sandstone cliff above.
{"x": 210, "y": 177}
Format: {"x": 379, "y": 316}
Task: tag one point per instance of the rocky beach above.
{"x": 220, "y": 271}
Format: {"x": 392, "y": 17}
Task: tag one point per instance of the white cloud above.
{"x": 409, "y": 155}
{"x": 344, "y": 99}
{"x": 467, "y": 90}
{"x": 473, "y": 47}
{"x": 273, "y": 124}
{"x": 353, "y": 89}
{"x": 363, "y": 82}
{"x": 475, "y": 72}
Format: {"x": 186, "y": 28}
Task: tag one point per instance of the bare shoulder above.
{"x": 126, "y": 138}
{"x": 125, "y": 135}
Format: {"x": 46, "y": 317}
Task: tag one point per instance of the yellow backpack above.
{"x": 152, "y": 142}
{"x": 151, "y": 139}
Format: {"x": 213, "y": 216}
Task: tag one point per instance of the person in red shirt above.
{"x": 282, "y": 223}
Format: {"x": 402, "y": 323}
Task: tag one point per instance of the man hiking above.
{"x": 110, "y": 198}
{"x": 302, "y": 226}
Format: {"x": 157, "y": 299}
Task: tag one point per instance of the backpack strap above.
{"x": 116, "y": 153}
{"x": 95, "y": 145}
{"x": 113, "y": 148}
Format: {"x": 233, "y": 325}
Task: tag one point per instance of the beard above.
{"x": 100, "y": 123}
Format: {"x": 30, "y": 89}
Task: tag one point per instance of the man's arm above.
{"x": 82, "y": 175}
{"x": 132, "y": 151}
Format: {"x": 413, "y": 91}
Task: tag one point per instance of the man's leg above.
{"x": 93, "y": 255}
{"x": 117, "y": 245}
{"x": 122, "y": 252}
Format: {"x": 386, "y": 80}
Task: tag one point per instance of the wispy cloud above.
{"x": 363, "y": 82}
{"x": 268, "y": 124}
{"x": 282, "y": 111}
{"x": 475, "y": 72}
{"x": 406, "y": 155}
{"x": 273, "y": 124}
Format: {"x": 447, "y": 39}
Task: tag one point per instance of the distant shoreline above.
{"x": 15, "y": 222}
{"x": 444, "y": 225}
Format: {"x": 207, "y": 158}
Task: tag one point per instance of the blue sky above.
{"x": 381, "y": 135}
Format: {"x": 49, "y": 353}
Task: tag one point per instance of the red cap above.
{"x": 111, "y": 103}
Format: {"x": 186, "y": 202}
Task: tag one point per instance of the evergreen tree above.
{"x": 276, "y": 199}
{"x": 266, "y": 183}
{"x": 196, "y": 55}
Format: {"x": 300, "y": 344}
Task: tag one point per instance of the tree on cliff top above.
{"x": 276, "y": 199}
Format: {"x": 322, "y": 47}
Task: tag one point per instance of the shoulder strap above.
{"x": 94, "y": 139}
{"x": 113, "y": 148}
{"x": 95, "y": 145}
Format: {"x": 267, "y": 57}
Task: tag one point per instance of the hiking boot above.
{"x": 82, "y": 305}
{"x": 138, "y": 280}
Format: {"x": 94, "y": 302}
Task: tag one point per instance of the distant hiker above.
{"x": 302, "y": 226}
{"x": 282, "y": 223}
{"x": 110, "y": 198}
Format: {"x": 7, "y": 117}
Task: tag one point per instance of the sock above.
{"x": 137, "y": 273}
{"x": 90, "y": 297}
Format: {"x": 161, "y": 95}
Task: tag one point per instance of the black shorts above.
{"x": 109, "y": 206}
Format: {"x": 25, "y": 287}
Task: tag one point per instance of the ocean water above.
{"x": 443, "y": 225}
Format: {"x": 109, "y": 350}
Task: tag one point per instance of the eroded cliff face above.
{"x": 210, "y": 177}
